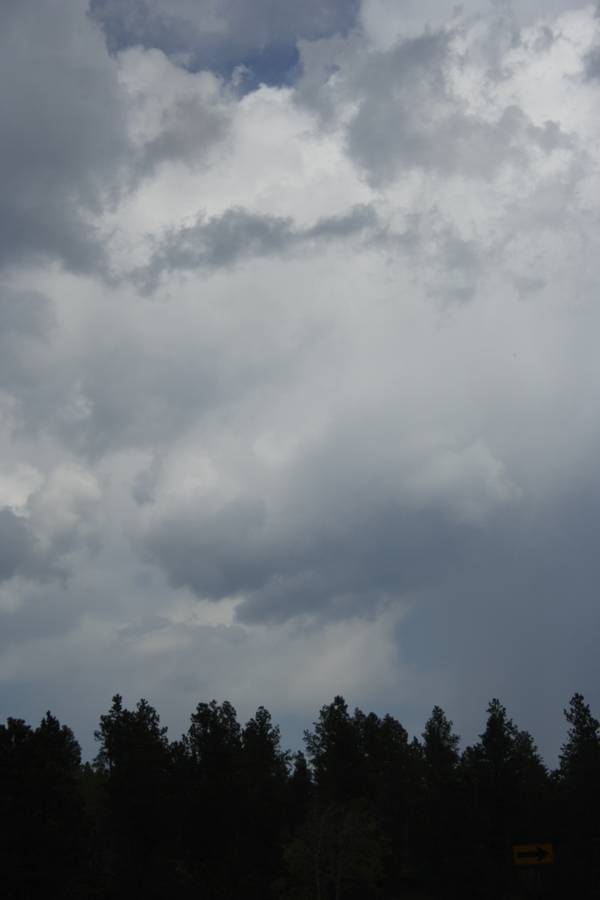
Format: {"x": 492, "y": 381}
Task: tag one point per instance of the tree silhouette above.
{"x": 334, "y": 752}
{"x": 505, "y": 781}
{"x": 211, "y": 805}
{"x": 580, "y": 755}
{"x": 263, "y": 795}
{"x": 578, "y": 779}
{"x": 42, "y": 850}
{"x": 367, "y": 766}
{"x": 134, "y": 759}
{"x": 441, "y": 837}
{"x": 440, "y": 749}
{"x": 226, "y": 812}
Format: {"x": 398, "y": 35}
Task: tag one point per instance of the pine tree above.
{"x": 440, "y": 834}
{"x": 505, "y": 783}
{"x": 42, "y": 850}
{"x": 263, "y": 794}
{"x": 580, "y": 755}
{"x": 334, "y": 751}
{"x": 212, "y": 807}
{"x": 440, "y": 750}
{"x": 578, "y": 779}
{"x": 135, "y": 760}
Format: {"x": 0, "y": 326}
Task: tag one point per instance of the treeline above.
{"x": 364, "y": 812}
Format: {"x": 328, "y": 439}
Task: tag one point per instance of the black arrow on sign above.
{"x": 540, "y": 854}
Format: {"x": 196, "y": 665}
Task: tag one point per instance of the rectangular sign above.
{"x": 533, "y": 854}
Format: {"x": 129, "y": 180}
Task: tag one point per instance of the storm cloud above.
{"x": 298, "y": 367}
{"x": 62, "y": 154}
{"x": 238, "y": 234}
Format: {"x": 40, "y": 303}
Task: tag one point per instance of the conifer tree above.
{"x": 212, "y": 806}
{"x": 43, "y": 848}
{"x": 134, "y": 759}
{"x": 263, "y": 787}
{"x": 579, "y": 790}
{"x": 505, "y": 782}
{"x": 334, "y": 751}
{"x": 580, "y": 755}
{"x": 441, "y": 810}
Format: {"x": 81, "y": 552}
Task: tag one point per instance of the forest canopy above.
{"x": 364, "y": 811}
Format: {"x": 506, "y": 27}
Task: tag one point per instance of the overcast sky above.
{"x": 299, "y": 366}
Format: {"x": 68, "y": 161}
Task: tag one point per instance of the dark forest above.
{"x": 364, "y": 812}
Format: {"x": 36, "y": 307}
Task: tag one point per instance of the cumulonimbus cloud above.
{"x": 303, "y": 365}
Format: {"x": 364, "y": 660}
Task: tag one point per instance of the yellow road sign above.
{"x": 533, "y": 854}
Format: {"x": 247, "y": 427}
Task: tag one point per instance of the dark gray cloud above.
{"x": 493, "y": 608}
{"x": 357, "y": 572}
{"x": 218, "y": 553}
{"x": 336, "y": 543}
{"x": 359, "y": 219}
{"x": 238, "y": 234}
{"x": 25, "y": 314}
{"x": 188, "y": 129}
{"x": 27, "y": 322}
{"x": 19, "y": 553}
{"x": 38, "y": 539}
{"x": 64, "y": 138}
{"x": 408, "y": 117}
{"x": 68, "y": 155}
{"x": 260, "y": 36}
{"x": 45, "y": 610}
{"x": 509, "y": 618}
{"x": 591, "y": 67}
{"x": 401, "y": 109}
{"x": 316, "y": 571}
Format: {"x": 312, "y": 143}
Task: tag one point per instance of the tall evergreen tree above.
{"x": 368, "y": 766}
{"x": 263, "y": 784}
{"x": 440, "y": 832}
{"x": 43, "y": 848}
{"x": 579, "y": 791}
{"x": 211, "y": 807}
{"x": 214, "y": 738}
{"x": 335, "y": 753}
{"x": 580, "y": 755}
{"x": 393, "y": 766}
{"x": 134, "y": 759}
{"x": 505, "y": 783}
{"x": 440, "y": 749}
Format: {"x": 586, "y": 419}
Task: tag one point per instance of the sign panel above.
{"x": 533, "y": 854}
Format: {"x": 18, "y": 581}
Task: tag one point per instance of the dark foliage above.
{"x": 366, "y": 814}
